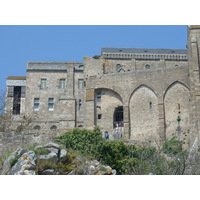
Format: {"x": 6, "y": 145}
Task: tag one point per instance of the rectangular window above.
{"x": 36, "y": 104}
{"x": 80, "y": 104}
{"x": 80, "y": 83}
{"x": 43, "y": 83}
{"x": 51, "y": 104}
{"x": 98, "y": 96}
{"x": 99, "y": 116}
{"x": 62, "y": 83}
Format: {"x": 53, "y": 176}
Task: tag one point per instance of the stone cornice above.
{"x": 177, "y": 57}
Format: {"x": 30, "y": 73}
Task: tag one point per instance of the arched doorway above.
{"x": 118, "y": 117}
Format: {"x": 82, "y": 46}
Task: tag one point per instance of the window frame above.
{"x": 51, "y": 103}
{"x": 62, "y": 83}
{"x": 80, "y": 86}
{"x": 43, "y": 83}
{"x": 36, "y": 103}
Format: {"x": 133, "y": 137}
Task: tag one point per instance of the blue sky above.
{"x": 20, "y": 44}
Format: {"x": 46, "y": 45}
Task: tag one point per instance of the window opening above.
{"x": 43, "y": 83}
{"x": 80, "y": 104}
{"x": 53, "y": 128}
{"x": 99, "y": 116}
{"x": 118, "y": 117}
{"x": 51, "y": 104}
{"x": 62, "y": 83}
{"x": 80, "y": 83}
{"x": 147, "y": 67}
{"x": 16, "y": 100}
{"x": 118, "y": 67}
{"x": 36, "y": 104}
{"x": 98, "y": 96}
{"x": 150, "y": 105}
{"x": 37, "y": 127}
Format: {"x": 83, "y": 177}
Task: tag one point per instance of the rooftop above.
{"x": 144, "y": 50}
{"x": 16, "y": 78}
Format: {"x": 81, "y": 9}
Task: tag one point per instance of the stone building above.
{"x": 139, "y": 94}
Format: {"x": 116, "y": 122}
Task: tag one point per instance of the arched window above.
{"x": 147, "y": 66}
{"x": 118, "y": 67}
{"x": 53, "y": 128}
{"x": 37, "y": 127}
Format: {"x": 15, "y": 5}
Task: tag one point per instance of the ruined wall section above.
{"x": 11, "y": 83}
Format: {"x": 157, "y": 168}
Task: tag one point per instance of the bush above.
{"x": 172, "y": 146}
{"x": 125, "y": 158}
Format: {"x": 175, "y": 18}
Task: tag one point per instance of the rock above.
{"x": 63, "y": 155}
{"x": 48, "y": 172}
{"x": 52, "y": 150}
{"x": 114, "y": 172}
{"x": 51, "y": 157}
{"x": 26, "y": 172}
{"x": 7, "y": 163}
{"x": 52, "y": 145}
{"x": 96, "y": 163}
{"x": 39, "y": 147}
{"x": 91, "y": 168}
{"x": 108, "y": 170}
{"x": 25, "y": 163}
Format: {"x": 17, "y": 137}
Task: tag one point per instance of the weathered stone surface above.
{"x": 7, "y": 163}
{"x": 63, "y": 154}
{"x": 48, "y": 172}
{"x": 38, "y": 147}
{"x": 51, "y": 157}
{"x": 25, "y": 163}
{"x": 52, "y": 145}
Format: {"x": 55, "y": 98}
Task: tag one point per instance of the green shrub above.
{"x": 172, "y": 146}
{"x": 125, "y": 158}
{"x": 41, "y": 151}
{"x": 13, "y": 161}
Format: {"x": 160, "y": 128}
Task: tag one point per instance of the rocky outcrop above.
{"x": 51, "y": 159}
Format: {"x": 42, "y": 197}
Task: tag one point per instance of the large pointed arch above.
{"x": 174, "y": 83}
{"x": 176, "y": 105}
{"x": 142, "y": 86}
{"x": 144, "y": 115}
{"x": 107, "y": 102}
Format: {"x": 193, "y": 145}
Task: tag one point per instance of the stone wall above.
{"x": 11, "y": 141}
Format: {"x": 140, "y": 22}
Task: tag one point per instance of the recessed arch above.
{"x": 144, "y": 115}
{"x": 176, "y": 108}
{"x": 107, "y": 101}
{"x": 37, "y": 127}
{"x": 141, "y": 86}
{"x": 172, "y": 84}
{"x": 53, "y": 127}
{"x": 111, "y": 89}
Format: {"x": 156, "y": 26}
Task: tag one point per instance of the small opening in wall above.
{"x": 37, "y": 127}
{"x": 99, "y": 116}
{"x": 53, "y": 128}
{"x": 179, "y": 106}
{"x": 150, "y": 105}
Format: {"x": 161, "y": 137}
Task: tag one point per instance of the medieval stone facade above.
{"x": 140, "y": 94}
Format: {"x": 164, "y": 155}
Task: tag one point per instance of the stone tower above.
{"x": 194, "y": 77}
